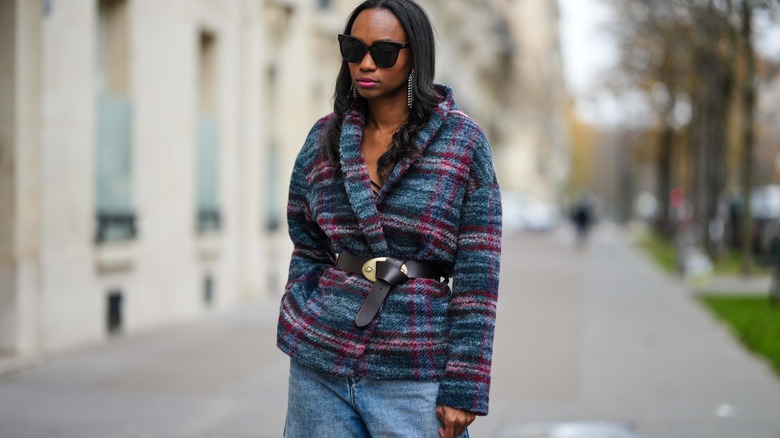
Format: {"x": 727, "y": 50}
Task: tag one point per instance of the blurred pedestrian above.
{"x": 582, "y": 217}
{"x": 391, "y": 195}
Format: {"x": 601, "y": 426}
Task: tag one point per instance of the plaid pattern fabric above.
{"x": 443, "y": 208}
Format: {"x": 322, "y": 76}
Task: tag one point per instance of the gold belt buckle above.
{"x": 369, "y": 268}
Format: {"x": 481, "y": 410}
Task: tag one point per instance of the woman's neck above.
{"x": 386, "y": 115}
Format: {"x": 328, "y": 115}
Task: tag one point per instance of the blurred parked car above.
{"x": 765, "y": 208}
{"x": 765, "y": 202}
{"x": 523, "y": 212}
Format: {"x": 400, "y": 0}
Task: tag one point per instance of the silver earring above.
{"x": 354, "y": 92}
{"x": 410, "y": 90}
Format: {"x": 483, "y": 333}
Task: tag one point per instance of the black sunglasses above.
{"x": 384, "y": 53}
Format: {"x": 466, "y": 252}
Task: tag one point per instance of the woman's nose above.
{"x": 367, "y": 63}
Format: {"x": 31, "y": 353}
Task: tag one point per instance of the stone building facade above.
{"x": 146, "y": 146}
{"x": 131, "y": 193}
{"x": 504, "y": 59}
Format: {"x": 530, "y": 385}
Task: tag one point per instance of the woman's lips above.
{"x": 367, "y": 83}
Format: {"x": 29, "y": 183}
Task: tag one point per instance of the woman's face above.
{"x": 371, "y": 81}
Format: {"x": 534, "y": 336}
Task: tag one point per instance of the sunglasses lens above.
{"x": 384, "y": 55}
{"x": 352, "y": 50}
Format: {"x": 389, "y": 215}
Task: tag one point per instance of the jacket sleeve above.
{"x": 472, "y": 313}
{"x": 311, "y": 249}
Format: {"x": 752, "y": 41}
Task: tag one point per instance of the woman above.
{"x": 383, "y": 347}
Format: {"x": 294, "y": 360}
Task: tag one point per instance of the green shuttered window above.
{"x": 114, "y": 197}
{"x": 208, "y": 175}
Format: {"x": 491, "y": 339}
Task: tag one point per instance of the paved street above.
{"x": 592, "y": 335}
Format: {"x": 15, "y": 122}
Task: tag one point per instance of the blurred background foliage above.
{"x": 705, "y": 141}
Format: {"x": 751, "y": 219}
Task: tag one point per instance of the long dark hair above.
{"x": 420, "y": 35}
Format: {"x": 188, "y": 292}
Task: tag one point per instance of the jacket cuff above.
{"x": 461, "y": 394}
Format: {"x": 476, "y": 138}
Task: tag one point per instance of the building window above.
{"x": 207, "y": 136}
{"x": 208, "y": 210}
{"x": 114, "y": 312}
{"x": 114, "y": 121}
{"x": 208, "y": 290}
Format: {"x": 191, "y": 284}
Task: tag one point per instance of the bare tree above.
{"x": 715, "y": 54}
{"x": 654, "y": 60}
{"x": 748, "y": 96}
{"x": 690, "y": 51}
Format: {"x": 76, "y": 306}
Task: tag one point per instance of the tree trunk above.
{"x": 697, "y": 141}
{"x": 710, "y": 148}
{"x": 664, "y": 169}
{"x": 716, "y": 72}
{"x": 748, "y": 92}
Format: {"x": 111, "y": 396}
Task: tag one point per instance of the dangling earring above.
{"x": 410, "y": 90}
{"x": 354, "y": 92}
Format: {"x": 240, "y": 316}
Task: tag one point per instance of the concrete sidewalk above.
{"x": 593, "y": 335}
{"x": 604, "y": 335}
{"x": 219, "y": 377}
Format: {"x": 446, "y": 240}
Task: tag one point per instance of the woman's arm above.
{"x": 311, "y": 250}
{"x": 472, "y": 312}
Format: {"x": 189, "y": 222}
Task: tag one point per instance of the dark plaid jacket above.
{"x": 444, "y": 208}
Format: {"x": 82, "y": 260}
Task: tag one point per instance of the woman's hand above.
{"x": 455, "y": 421}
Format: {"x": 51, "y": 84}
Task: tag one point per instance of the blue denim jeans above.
{"x": 326, "y": 406}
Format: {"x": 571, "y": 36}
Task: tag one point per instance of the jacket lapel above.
{"x": 358, "y": 185}
{"x": 356, "y": 180}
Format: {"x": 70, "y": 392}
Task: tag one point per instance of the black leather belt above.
{"x": 385, "y": 273}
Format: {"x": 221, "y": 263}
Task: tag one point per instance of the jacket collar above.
{"x": 356, "y": 179}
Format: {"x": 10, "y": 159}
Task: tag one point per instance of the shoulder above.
{"x": 456, "y": 123}
{"x": 472, "y": 142}
{"x": 318, "y": 131}
{"x": 315, "y": 140}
